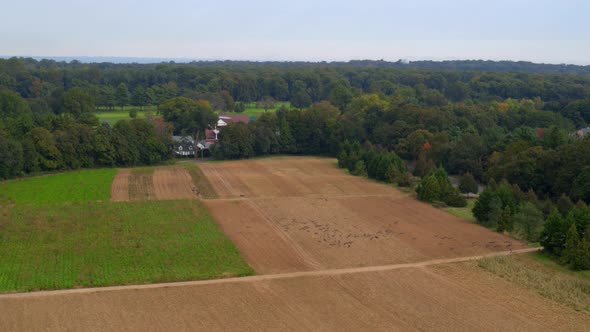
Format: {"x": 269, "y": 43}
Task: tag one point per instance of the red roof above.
{"x": 235, "y": 118}
{"x": 209, "y": 134}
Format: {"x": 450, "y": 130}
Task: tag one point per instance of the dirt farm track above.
{"x": 332, "y": 252}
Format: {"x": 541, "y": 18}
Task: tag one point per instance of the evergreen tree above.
{"x": 505, "y": 223}
{"x": 529, "y": 221}
{"x": 286, "y": 140}
{"x": 572, "y": 239}
{"x": 495, "y": 211}
{"x": 429, "y": 189}
{"x": 553, "y": 236}
{"x": 468, "y": 184}
{"x": 564, "y": 204}
{"x": 122, "y": 95}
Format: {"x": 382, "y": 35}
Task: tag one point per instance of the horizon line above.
{"x": 160, "y": 59}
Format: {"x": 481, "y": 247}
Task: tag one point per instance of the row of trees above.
{"x": 561, "y": 227}
{"x": 436, "y": 187}
{"x": 568, "y": 237}
{"x": 373, "y": 162}
{"x": 32, "y": 141}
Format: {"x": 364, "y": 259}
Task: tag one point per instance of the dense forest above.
{"x": 510, "y": 125}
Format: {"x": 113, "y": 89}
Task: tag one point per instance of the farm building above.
{"x": 184, "y": 145}
{"x": 212, "y": 135}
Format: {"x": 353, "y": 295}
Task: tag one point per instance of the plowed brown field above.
{"x": 173, "y": 183}
{"x": 332, "y": 237}
{"x": 163, "y": 184}
{"x": 291, "y": 214}
{"x": 120, "y": 185}
{"x": 454, "y": 297}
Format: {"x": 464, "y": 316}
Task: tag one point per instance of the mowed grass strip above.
{"x": 77, "y": 186}
{"x": 112, "y": 243}
{"x": 200, "y": 181}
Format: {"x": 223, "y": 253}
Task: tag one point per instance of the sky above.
{"x": 306, "y": 30}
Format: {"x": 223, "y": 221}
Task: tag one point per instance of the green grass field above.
{"x": 254, "y": 111}
{"x": 62, "y": 231}
{"x": 113, "y": 116}
{"x": 77, "y": 186}
{"x": 463, "y": 212}
{"x": 123, "y": 114}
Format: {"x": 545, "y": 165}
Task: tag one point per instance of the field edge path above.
{"x": 265, "y": 277}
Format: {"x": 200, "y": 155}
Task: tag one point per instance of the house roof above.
{"x": 183, "y": 139}
{"x": 209, "y": 134}
{"x": 234, "y": 118}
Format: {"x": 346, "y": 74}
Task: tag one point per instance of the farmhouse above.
{"x": 212, "y": 135}
{"x": 184, "y": 145}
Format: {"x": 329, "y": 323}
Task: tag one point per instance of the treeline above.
{"x": 310, "y": 131}
{"x": 562, "y": 227}
{"x": 32, "y": 142}
{"x": 302, "y": 84}
{"x": 373, "y": 162}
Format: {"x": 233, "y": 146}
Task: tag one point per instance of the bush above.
{"x": 468, "y": 184}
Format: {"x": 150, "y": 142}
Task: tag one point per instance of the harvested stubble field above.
{"x": 292, "y": 214}
{"x": 309, "y": 229}
{"x": 161, "y": 183}
{"x": 456, "y": 297}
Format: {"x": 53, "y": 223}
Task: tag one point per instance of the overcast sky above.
{"x": 316, "y": 30}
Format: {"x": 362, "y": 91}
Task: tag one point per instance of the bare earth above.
{"x": 165, "y": 183}
{"x": 333, "y": 252}
{"x": 292, "y": 214}
{"x": 120, "y": 185}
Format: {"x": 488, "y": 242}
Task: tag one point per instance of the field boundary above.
{"x": 268, "y": 277}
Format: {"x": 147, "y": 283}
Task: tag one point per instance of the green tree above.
{"x": 187, "y": 115}
{"x": 494, "y": 213}
{"x": 122, "y": 95}
{"x": 239, "y": 107}
{"x": 553, "y": 235}
{"x": 77, "y": 101}
{"x": 564, "y": 204}
{"x": 529, "y": 222}
{"x": 429, "y": 189}
{"x": 467, "y": 184}
{"x": 581, "y": 186}
{"x": 139, "y": 97}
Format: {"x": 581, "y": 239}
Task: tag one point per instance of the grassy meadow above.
{"x": 111, "y": 117}
{"x": 254, "y": 111}
{"x": 62, "y": 231}
{"x": 123, "y": 114}
{"x": 76, "y": 186}
{"x": 463, "y": 212}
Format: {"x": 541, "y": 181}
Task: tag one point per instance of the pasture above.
{"x": 253, "y": 110}
{"x": 112, "y": 117}
{"x": 75, "y": 186}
